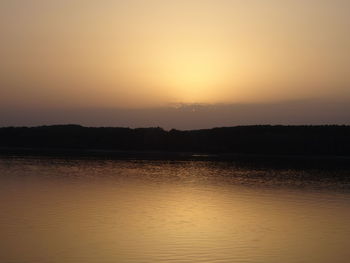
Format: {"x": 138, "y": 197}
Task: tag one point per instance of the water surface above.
{"x": 56, "y": 210}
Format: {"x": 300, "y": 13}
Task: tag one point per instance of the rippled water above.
{"x": 55, "y": 210}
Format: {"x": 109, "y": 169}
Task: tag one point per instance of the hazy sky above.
{"x": 135, "y": 54}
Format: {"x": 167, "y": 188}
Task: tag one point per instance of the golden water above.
{"x": 156, "y": 211}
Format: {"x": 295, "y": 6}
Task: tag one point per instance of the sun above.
{"x": 192, "y": 77}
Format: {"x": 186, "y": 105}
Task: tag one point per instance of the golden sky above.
{"x": 149, "y": 53}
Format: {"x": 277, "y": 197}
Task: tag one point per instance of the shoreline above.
{"x": 273, "y": 160}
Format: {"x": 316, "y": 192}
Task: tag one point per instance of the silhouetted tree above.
{"x": 291, "y": 140}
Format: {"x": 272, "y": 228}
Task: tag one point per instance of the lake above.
{"x": 97, "y": 211}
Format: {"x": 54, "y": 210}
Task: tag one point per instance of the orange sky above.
{"x": 149, "y": 53}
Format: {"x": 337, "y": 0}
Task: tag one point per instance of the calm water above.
{"x": 56, "y": 210}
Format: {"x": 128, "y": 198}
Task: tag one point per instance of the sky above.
{"x": 151, "y": 62}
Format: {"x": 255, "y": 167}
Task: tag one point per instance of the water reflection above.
{"x": 142, "y": 211}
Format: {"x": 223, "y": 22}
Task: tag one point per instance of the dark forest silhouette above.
{"x": 277, "y": 140}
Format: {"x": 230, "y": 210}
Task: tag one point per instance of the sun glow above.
{"x": 192, "y": 75}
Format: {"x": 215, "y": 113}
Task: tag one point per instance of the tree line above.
{"x": 260, "y": 139}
